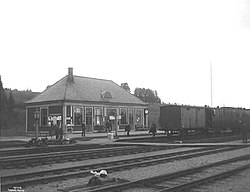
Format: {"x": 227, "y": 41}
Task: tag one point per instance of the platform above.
{"x": 104, "y": 138}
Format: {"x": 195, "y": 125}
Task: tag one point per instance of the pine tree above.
{"x": 11, "y": 103}
{"x": 3, "y": 108}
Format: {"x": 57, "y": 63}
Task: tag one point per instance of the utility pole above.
{"x": 211, "y": 79}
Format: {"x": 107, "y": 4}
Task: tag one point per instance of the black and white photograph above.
{"x": 125, "y": 96}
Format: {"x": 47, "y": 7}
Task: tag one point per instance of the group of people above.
{"x": 57, "y": 130}
{"x": 108, "y": 127}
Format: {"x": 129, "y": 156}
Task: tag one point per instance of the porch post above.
{"x": 64, "y": 123}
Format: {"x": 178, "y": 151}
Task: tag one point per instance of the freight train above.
{"x": 193, "y": 120}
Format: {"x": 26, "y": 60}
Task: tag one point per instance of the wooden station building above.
{"x": 75, "y": 99}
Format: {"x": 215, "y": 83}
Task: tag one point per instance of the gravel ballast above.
{"x": 144, "y": 172}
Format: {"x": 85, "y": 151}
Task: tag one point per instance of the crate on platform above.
{"x": 110, "y": 135}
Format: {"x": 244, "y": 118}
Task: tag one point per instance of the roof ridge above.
{"x": 65, "y": 90}
{"x": 92, "y": 78}
{"x": 50, "y": 86}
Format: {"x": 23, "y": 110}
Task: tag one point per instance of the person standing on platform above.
{"x": 57, "y": 132}
{"x": 60, "y": 131}
{"x": 127, "y": 129}
{"x": 107, "y": 125}
{"x": 153, "y": 129}
{"x": 83, "y": 129}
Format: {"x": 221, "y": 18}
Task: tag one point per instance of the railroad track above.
{"x": 83, "y": 171}
{"x": 55, "y": 148}
{"x": 188, "y": 139}
{"x": 24, "y": 161}
{"x": 176, "y": 181}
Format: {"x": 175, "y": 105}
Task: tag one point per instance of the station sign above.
{"x": 111, "y": 117}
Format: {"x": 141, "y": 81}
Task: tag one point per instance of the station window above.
{"x": 106, "y": 94}
{"x": 77, "y": 115}
{"x": 111, "y": 112}
{"x": 138, "y": 115}
{"x": 68, "y": 114}
{"x": 89, "y": 111}
{"x": 131, "y": 117}
{"x": 123, "y": 113}
{"x": 44, "y": 116}
{"x": 98, "y": 116}
{"x": 68, "y": 111}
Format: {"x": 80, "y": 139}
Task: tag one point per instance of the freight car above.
{"x": 176, "y": 119}
{"x": 226, "y": 119}
{"x": 186, "y": 120}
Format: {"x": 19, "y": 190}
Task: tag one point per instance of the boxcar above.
{"x": 185, "y": 119}
{"x": 202, "y": 120}
{"x": 154, "y": 114}
{"x": 226, "y": 119}
{"x": 247, "y": 118}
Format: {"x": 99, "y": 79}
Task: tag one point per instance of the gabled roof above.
{"x": 86, "y": 89}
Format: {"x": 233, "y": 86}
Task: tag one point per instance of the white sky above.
{"x": 161, "y": 45}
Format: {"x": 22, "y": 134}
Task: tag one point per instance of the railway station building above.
{"x": 76, "y": 99}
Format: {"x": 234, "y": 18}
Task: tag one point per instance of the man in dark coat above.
{"x": 83, "y": 129}
{"x": 107, "y": 125}
{"x": 127, "y": 129}
{"x": 57, "y": 132}
{"x": 61, "y": 133}
{"x": 153, "y": 129}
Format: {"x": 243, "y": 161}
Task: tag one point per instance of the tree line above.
{"x": 146, "y": 95}
{"x": 7, "y": 108}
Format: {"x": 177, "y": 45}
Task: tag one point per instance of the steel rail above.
{"x": 206, "y": 179}
{"x": 30, "y": 178}
{"x": 150, "y": 182}
{"x": 52, "y": 154}
{"x": 8, "y": 162}
{"x": 55, "y": 174}
{"x": 55, "y": 148}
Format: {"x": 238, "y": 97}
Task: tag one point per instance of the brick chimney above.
{"x": 70, "y": 75}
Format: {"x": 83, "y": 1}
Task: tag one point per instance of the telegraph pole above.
{"x": 211, "y": 81}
